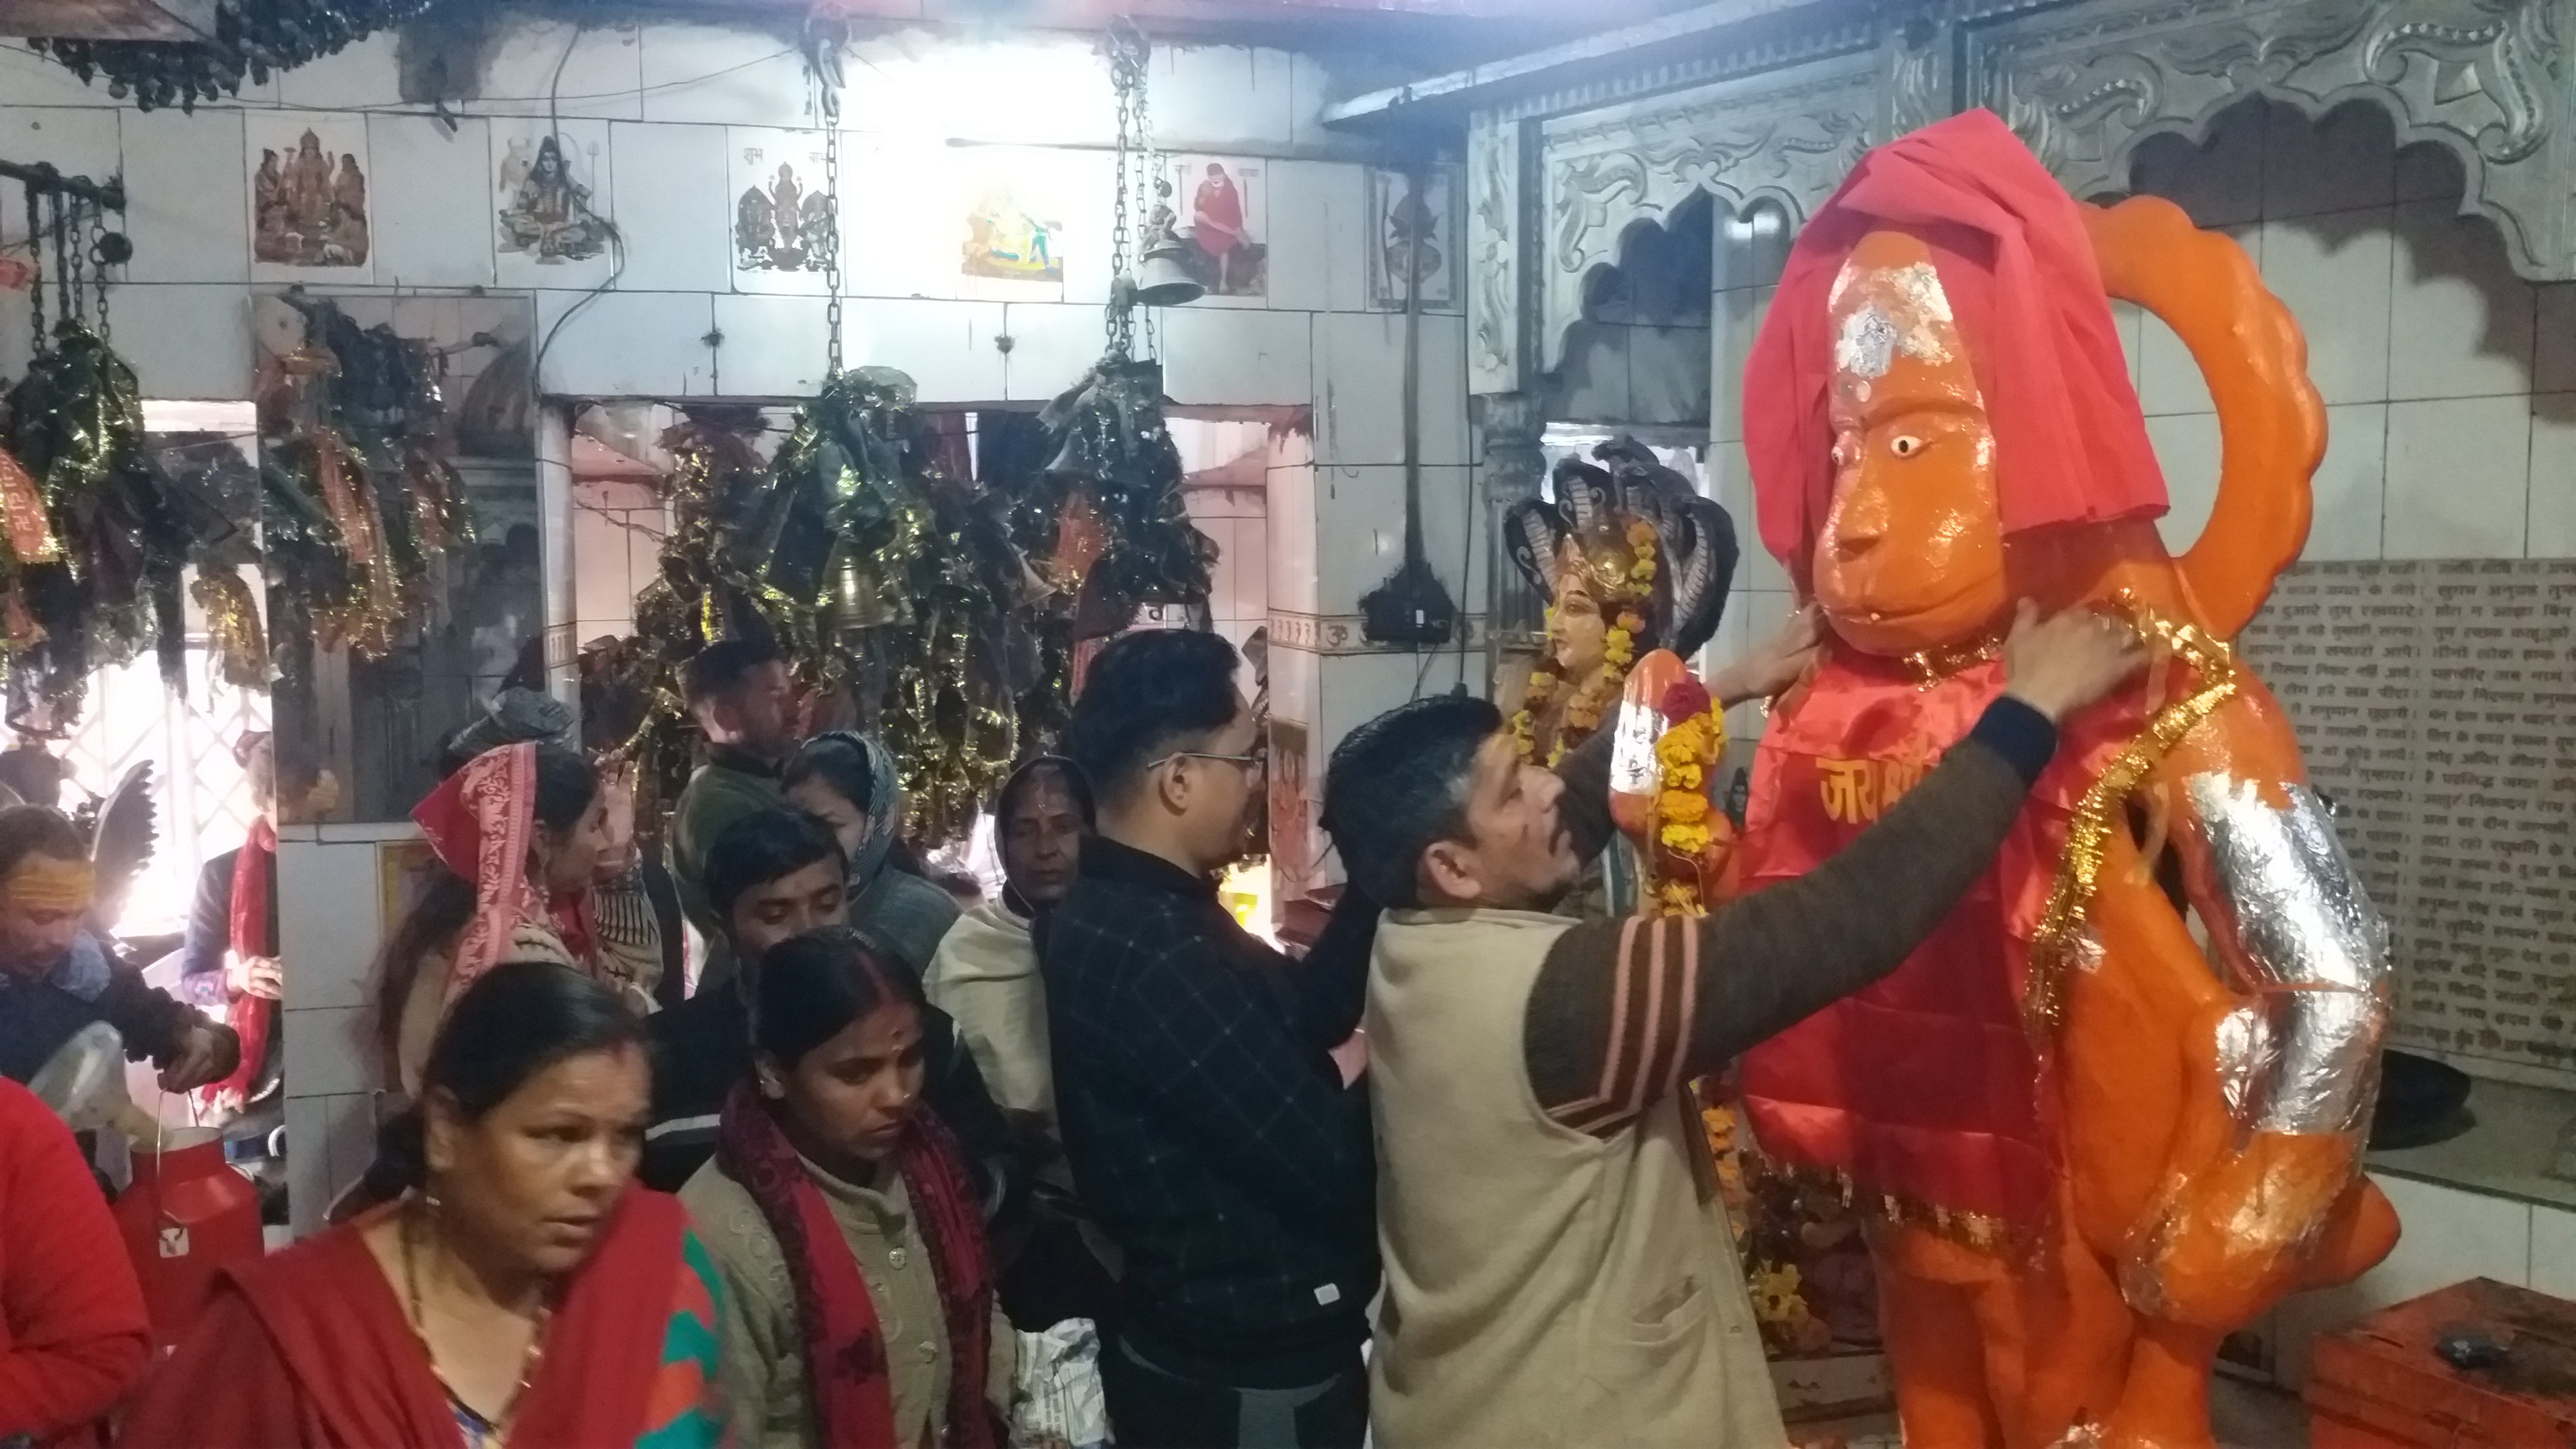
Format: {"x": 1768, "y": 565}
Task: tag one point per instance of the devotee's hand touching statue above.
{"x": 1773, "y": 666}
{"x": 2060, "y": 664}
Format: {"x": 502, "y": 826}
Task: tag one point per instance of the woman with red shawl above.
{"x": 859, "y": 1306}
{"x": 523, "y": 835}
{"x": 72, "y": 1337}
{"x": 520, "y": 1290}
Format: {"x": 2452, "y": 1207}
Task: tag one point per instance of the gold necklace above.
{"x": 1931, "y": 666}
{"x": 529, "y": 1359}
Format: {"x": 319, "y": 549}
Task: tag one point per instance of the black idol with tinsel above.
{"x": 120, "y": 536}
{"x": 1114, "y": 446}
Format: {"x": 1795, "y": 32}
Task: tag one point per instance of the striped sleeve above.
{"x": 1625, "y": 1011}
{"x": 1610, "y": 1020}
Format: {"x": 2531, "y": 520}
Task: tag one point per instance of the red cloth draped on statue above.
{"x": 311, "y": 1348}
{"x": 2013, "y": 255}
{"x": 1924, "y": 1086}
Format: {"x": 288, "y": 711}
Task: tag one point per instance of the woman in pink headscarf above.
{"x": 522, "y": 834}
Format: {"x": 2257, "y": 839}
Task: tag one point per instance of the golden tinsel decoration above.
{"x": 2061, "y": 937}
{"x": 232, "y": 619}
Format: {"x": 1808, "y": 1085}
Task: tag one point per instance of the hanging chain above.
{"x": 98, "y": 259}
{"x": 1149, "y": 195}
{"x": 823, "y": 67}
{"x": 67, "y": 292}
{"x": 36, "y": 258}
{"x": 832, "y": 213}
{"x": 1127, "y": 80}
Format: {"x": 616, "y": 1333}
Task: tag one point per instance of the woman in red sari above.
{"x": 523, "y": 1290}
{"x": 524, "y": 835}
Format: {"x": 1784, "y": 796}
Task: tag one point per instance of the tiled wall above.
{"x": 667, "y": 103}
{"x": 1642, "y": 353}
{"x": 330, "y": 905}
{"x": 676, "y": 324}
{"x": 1750, "y": 251}
{"x": 2449, "y": 383}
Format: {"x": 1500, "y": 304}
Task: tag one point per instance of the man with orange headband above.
{"x": 57, "y": 977}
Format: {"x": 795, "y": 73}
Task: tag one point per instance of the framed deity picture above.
{"x": 550, "y": 207}
{"x": 779, "y": 204}
{"x": 1218, "y": 209}
{"x": 309, "y": 216}
{"x": 1012, "y": 215}
{"x": 1412, "y": 226}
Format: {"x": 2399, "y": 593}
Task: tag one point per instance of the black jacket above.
{"x": 1207, "y": 1127}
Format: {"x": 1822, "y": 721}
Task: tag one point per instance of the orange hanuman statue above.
{"x": 2089, "y": 1148}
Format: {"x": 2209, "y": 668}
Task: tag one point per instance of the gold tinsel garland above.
{"x": 2061, "y": 937}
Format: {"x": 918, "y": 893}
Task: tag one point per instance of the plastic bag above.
{"x": 1056, "y": 1399}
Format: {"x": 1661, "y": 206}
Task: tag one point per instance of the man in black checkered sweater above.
{"x": 1208, "y": 1125}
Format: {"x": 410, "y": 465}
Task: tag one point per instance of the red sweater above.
{"x": 73, "y": 1337}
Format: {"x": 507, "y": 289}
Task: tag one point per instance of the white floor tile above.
{"x": 2187, "y": 451}
{"x": 1235, "y": 357}
{"x": 2332, "y": 269}
{"x": 431, "y": 192}
{"x": 1359, "y": 389}
{"x": 2350, "y": 485}
{"x": 328, "y": 1051}
{"x": 626, "y": 344}
{"x": 547, "y": 68}
{"x": 330, "y": 922}
{"x": 723, "y": 76}
{"x": 674, "y": 235}
{"x": 184, "y": 229}
{"x": 2553, "y": 477}
{"x": 2460, "y": 320}
{"x": 185, "y": 340}
{"x": 2458, "y": 478}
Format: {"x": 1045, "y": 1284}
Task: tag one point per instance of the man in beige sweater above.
{"x": 1558, "y": 1272}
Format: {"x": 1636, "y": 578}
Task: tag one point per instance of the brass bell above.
{"x": 1161, "y": 280}
{"x": 857, "y": 599}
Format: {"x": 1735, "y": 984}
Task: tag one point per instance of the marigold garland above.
{"x": 1684, "y": 824}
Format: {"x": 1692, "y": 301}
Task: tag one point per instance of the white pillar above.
{"x": 554, "y": 533}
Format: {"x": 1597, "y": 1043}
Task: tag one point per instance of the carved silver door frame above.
{"x": 1555, "y": 181}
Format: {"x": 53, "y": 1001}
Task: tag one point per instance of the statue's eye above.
{"x": 1905, "y": 445}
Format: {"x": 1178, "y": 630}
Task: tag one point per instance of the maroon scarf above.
{"x": 845, "y": 1354}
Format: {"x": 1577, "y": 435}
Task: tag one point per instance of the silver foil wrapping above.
{"x": 2290, "y": 919}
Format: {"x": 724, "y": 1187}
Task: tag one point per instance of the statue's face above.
{"x": 1578, "y": 636}
{"x": 1911, "y": 555}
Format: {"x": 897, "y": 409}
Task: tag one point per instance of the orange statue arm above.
{"x": 2268, "y": 1092}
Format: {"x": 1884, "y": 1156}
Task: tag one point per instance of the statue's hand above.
{"x": 2234, "y": 1235}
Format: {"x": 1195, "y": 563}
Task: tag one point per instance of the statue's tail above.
{"x": 2271, "y": 425}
